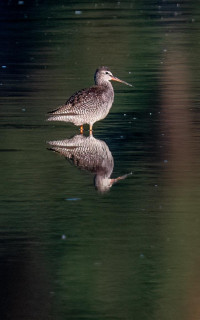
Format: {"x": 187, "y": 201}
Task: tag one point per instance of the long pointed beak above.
{"x": 118, "y": 80}
{"x": 120, "y": 178}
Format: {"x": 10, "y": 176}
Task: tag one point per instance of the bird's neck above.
{"x": 106, "y": 84}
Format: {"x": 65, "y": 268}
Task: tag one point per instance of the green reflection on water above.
{"x": 130, "y": 253}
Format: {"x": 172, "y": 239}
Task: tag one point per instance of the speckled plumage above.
{"x": 89, "y": 154}
{"x": 88, "y": 105}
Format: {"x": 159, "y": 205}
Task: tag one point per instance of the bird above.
{"x": 89, "y": 105}
{"x": 91, "y": 154}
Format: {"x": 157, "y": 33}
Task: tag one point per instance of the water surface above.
{"x": 69, "y": 250}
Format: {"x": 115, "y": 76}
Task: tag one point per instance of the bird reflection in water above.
{"x": 92, "y": 155}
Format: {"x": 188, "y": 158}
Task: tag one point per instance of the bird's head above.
{"x": 103, "y": 75}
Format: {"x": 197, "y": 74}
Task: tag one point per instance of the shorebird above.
{"x": 92, "y": 155}
{"x": 89, "y": 105}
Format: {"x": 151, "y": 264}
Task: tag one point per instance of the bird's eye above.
{"x": 107, "y": 72}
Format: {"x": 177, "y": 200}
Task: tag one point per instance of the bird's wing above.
{"x": 80, "y": 101}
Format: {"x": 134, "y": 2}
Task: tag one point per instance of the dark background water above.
{"x": 68, "y": 251}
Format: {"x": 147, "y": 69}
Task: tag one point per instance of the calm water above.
{"x": 69, "y": 250}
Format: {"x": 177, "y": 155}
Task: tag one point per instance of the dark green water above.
{"x": 68, "y": 251}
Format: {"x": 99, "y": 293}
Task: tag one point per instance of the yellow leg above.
{"x": 91, "y": 128}
{"x": 81, "y": 129}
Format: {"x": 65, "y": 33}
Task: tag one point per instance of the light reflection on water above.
{"x": 132, "y": 252}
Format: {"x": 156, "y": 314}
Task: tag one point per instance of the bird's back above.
{"x": 84, "y": 101}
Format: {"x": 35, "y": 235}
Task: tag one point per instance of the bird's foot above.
{"x": 90, "y": 129}
{"x": 81, "y": 129}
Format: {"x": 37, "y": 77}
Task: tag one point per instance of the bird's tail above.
{"x": 66, "y": 117}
